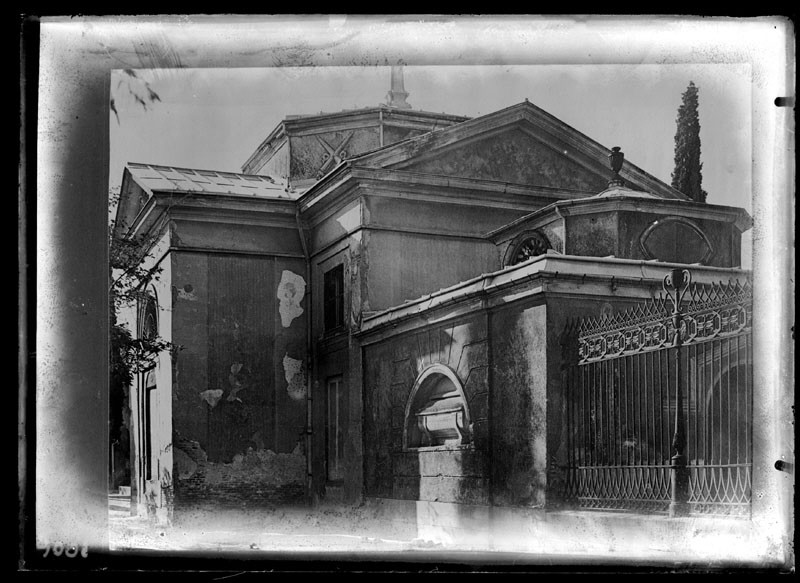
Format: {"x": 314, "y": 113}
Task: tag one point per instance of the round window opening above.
{"x": 531, "y": 245}
{"x": 437, "y": 414}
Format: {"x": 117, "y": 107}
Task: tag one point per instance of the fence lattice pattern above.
{"x": 622, "y": 381}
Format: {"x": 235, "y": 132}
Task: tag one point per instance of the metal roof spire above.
{"x": 397, "y": 94}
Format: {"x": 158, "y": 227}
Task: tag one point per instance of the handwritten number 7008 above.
{"x": 70, "y": 551}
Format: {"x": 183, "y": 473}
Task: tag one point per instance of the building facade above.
{"x": 375, "y": 308}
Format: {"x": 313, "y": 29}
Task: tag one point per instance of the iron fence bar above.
{"x": 728, "y": 374}
{"x": 620, "y": 399}
{"x": 609, "y": 408}
{"x": 646, "y": 411}
{"x": 738, "y": 368}
{"x": 678, "y": 281}
{"x": 748, "y": 392}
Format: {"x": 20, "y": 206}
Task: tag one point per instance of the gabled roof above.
{"x": 141, "y": 181}
{"x": 153, "y": 178}
{"x": 530, "y": 118}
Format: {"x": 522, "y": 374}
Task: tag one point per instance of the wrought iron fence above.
{"x": 659, "y": 403}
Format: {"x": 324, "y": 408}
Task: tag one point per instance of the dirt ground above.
{"x": 292, "y": 529}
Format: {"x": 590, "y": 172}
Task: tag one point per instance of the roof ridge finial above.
{"x": 615, "y": 158}
{"x": 397, "y": 93}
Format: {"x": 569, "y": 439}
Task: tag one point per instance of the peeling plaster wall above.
{"x": 390, "y": 370}
{"x": 243, "y": 332}
{"x": 291, "y": 290}
{"x": 257, "y": 477}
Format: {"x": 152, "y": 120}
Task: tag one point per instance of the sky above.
{"x": 215, "y": 118}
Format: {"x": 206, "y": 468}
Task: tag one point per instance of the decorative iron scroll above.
{"x": 709, "y": 311}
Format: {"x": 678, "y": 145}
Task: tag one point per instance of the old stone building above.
{"x": 375, "y": 309}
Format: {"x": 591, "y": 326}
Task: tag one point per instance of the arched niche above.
{"x": 436, "y": 415}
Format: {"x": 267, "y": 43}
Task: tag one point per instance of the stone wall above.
{"x": 518, "y": 405}
{"x": 456, "y": 474}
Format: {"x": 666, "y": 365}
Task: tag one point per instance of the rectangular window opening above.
{"x": 147, "y": 446}
{"x": 333, "y": 298}
{"x": 334, "y": 429}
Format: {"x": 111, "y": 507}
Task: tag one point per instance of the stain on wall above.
{"x": 295, "y": 377}
{"x": 518, "y": 404}
{"x": 291, "y": 290}
{"x": 593, "y": 235}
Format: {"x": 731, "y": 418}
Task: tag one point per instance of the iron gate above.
{"x": 659, "y": 403}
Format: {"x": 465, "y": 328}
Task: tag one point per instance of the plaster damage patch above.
{"x": 258, "y": 468}
{"x": 236, "y": 384}
{"x": 187, "y": 293}
{"x": 185, "y": 466}
{"x": 295, "y": 377}
{"x": 211, "y": 396}
{"x": 291, "y": 291}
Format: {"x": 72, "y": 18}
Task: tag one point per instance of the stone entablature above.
{"x": 630, "y": 224}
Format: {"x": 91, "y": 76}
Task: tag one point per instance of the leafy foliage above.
{"x": 130, "y": 355}
{"x": 137, "y": 88}
{"x": 129, "y": 278}
{"x": 687, "y": 176}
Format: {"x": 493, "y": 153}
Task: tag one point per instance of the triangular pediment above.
{"x": 512, "y": 155}
{"x": 521, "y": 144}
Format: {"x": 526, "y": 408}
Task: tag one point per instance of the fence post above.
{"x": 676, "y": 283}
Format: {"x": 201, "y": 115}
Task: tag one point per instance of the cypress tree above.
{"x": 687, "y": 176}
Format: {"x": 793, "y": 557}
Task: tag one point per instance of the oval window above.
{"x": 676, "y": 240}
